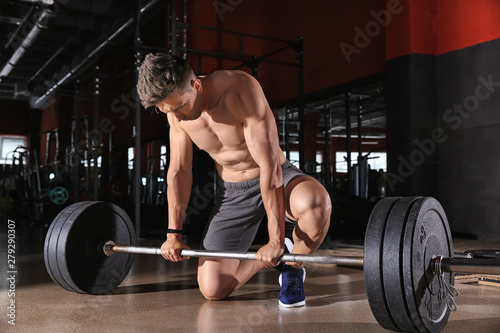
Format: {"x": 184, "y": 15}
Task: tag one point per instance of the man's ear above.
{"x": 196, "y": 84}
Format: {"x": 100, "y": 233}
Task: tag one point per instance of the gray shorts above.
{"x": 238, "y": 212}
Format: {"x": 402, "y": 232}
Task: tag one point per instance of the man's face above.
{"x": 183, "y": 107}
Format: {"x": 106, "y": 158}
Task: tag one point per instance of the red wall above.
{"x": 463, "y": 23}
{"x": 437, "y": 27}
{"x": 324, "y": 25}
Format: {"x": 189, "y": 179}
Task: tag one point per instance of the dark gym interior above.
{"x": 373, "y": 98}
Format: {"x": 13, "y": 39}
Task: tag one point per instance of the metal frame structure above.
{"x": 348, "y": 110}
{"x": 137, "y": 127}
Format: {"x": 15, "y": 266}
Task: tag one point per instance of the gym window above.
{"x": 131, "y": 154}
{"x": 8, "y": 145}
{"x": 163, "y": 157}
{"x": 376, "y": 161}
{"x": 294, "y": 159}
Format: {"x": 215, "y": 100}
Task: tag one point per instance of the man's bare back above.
{"x": 219, "y": 130}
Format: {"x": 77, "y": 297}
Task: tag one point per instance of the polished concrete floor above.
{"x": 158, "y": 296}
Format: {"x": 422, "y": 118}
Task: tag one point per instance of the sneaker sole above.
{"x": 294, "y": 305}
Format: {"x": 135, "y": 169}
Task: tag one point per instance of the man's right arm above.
{"x": 179, "y": 182}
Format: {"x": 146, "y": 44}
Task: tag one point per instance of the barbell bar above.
{"x": 439, "y": 264}
{"x": 408, "y": 258}
{"x": 109, "y": 248}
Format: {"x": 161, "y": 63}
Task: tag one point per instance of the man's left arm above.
{"x": 261, "y": 136}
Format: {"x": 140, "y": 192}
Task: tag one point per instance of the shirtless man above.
{"x": 227, "y": 115}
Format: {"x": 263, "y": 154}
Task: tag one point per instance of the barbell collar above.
{"x": 323, "y": 259}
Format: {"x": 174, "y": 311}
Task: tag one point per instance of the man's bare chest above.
{"x": 215, "y": 136}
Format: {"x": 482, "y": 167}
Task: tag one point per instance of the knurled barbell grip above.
{"x": 350, "y": 261}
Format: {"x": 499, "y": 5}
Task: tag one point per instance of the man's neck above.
{"x": 209, "y": 97}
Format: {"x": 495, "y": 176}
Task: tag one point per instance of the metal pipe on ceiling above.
{"x": 98, "y": 49}
{"x": 48, "y": 62}
{"x": 23, "y": 21}
{"x": 33, "y": 3}
{"x": 26, "y": 43}
{"x": 39, "y": 2}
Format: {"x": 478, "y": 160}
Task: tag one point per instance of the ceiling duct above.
{"x": 35, "y": 103}
{"x": 38, "y": 2}
{"x": 27, "y": 42}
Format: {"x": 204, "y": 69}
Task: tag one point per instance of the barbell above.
{"x": 408, "y": 258}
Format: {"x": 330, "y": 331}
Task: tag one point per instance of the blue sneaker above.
{"x": 288, "y": 249}
{"x": 292, "y": 287}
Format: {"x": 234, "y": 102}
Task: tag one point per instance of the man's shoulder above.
{"x": 231, "y": 75}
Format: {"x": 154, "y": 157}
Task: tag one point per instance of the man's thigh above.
{"x": 235, "y": 218}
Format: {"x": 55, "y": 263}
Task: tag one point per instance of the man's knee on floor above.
{"x": 216, "y": 277}
{"x": 216, "y": 287}
{"x": 214, "y": 294}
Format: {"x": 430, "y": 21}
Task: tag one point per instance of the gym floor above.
{"x": 158, "y": 296}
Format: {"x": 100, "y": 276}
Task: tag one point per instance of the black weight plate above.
{"x": 392, "y": 254}
{"x": 373, "y": 262}
{"x": 427, "y": 234}
{"x": 71, "y": 247}
{"x": 51, "y": 234}
{"x": 50, "y": 245}
{"x": 82, "y": 266}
